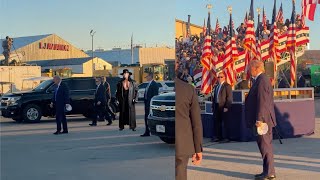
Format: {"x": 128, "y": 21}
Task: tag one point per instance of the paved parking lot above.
{"x": 297, "y": 159}
{"x": 31, "y": 151}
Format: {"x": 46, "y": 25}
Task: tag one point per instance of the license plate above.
{"x": 160, "y": 128}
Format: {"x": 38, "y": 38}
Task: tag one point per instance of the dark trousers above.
{"x": 147, "y": 111}
{"x": 61, "y": 118}
{"x": 108, "y": 113}
{"x": 181, "y": 167}
{"x": 265, "y": 146}
{"x": 99, "y": 113}
{"x": 220, "y": 123}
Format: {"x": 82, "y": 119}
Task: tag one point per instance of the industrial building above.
{"x": 52, "y": 52}
{"x": 81, "y": 67}
{"x": 141, "y": 55}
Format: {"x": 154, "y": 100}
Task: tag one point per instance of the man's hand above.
{"x": 225, "y": 109}
{"x": 259, "y": 123}
{"x": 51, "y": 105}
{"x": 197, "y": 158}
{"x": 98, "y": 103}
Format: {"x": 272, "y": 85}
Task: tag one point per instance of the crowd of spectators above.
{"x": 189, "y": 50}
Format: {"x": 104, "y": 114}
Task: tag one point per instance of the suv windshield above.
{"x": 170, "y": 84}
{"x": 43, "y": 85}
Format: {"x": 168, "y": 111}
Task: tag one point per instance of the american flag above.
{"x": 231, "y": 55}
{"x": 291, "y": 45}
{"x": 264, "y": 20}
{"x": 207, "y": 62}
{"x": 232, "y": 24}
{"x": 217, "y": 26}
{"x": 274, "y": 39}
{"x": 303, "y": 20}
{"x": 250, "y": 39}
{"x": 245, "y": 18}
{"x": 309, "y": 8}
{"x": 197, "y": 77}
{"x": 258, "y": 44}
{"x": 280, "y": 15}
{"x": 204, "y": 28}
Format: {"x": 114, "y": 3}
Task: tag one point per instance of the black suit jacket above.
{"x": 100, "y": 95}
{"x": 301, "y": 82}
{"x": 225, "y": 96}
{"x": 153, "y": 90}
{"x": 259, "y": 104}
{"x": 188, "y": 126}
{"x": 61, "y": 97}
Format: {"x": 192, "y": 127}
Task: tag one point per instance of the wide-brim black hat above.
{"x": 126, "y": 71}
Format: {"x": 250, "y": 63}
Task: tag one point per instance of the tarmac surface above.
{"x": 295, "y": 159}
{"x": 32, "y": 152}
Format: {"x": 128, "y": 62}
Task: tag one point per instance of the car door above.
{"x": 82, "y": 92}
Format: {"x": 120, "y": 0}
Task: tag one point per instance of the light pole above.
{"x": 92, "y": 34}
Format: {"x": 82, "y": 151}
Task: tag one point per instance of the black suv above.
{"x": 30, "y": 106}
{"x": 161, "y": 119}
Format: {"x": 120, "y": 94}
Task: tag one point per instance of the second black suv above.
{"x": 30, "y": 106}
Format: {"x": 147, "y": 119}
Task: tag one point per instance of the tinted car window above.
{"x": 170, "y": 84}
{"x": 43, "y": 85}
{"x": 143, "y": 85}
{"x": 82, "y": 84}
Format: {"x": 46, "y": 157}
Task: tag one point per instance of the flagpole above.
{"x": 295, "y": 57}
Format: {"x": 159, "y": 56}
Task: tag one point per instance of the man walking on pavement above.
{"x": 151, "y": 90}
{"x": 60, "y": 100}
{"x": 108, "y": 112}
{"x": 99, "y": 102}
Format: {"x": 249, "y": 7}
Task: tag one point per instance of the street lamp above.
{"x": 92, "y": 34}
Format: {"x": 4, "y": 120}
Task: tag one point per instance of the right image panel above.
{"x": 243, "y": 73}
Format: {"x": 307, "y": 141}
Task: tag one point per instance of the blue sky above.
{"x": 197, "y": 10}
{"x": 150, "y": 21}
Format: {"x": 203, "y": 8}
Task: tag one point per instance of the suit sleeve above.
{"x": 195, "y": 116}
{"x": 262, "y": 100}
{"x": 156, "y": 89}
{"x": 229, "y": 96}
{"x": 118, "y": 91}
{"x": 66, "y": 94}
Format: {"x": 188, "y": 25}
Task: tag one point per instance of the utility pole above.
{"x": 92, "y": 34}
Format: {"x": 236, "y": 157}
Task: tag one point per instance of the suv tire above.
{"x": 32, "y": 113}
{"x": 168, "y": 140}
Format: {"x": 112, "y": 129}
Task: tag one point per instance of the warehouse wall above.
{"x": 33, "y": 52}
{"x": 99, "y": 65}
{"x": 155, "y": 55}
{"x": 181, "y": 29}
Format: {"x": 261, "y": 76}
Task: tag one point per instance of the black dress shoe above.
{"x": 92, "y": 124}
{"x": 145, "y": 135}
{"x": 259, "y": 175}
{"x": 64, "y": 132}
{"x": 134, "y": 130}
{"x": 121, "y": 129}
{"x": 269, "y": 177}
{"x": 57, "y": 132}
{"x": 109, "y": 123}
{"x": 216, "y": 140}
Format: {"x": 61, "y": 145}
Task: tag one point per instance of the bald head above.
{"x": 256, "y": 67}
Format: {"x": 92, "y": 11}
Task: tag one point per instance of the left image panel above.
{"x": 87, "y": 90}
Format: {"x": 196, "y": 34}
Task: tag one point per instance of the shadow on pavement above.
{"x": 224, "y": 172}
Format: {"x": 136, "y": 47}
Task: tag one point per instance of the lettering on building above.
{"x": 51, "y": 46}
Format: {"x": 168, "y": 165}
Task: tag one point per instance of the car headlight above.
{"x": 13, "y": 101}
{"x": 150, "y": 112}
